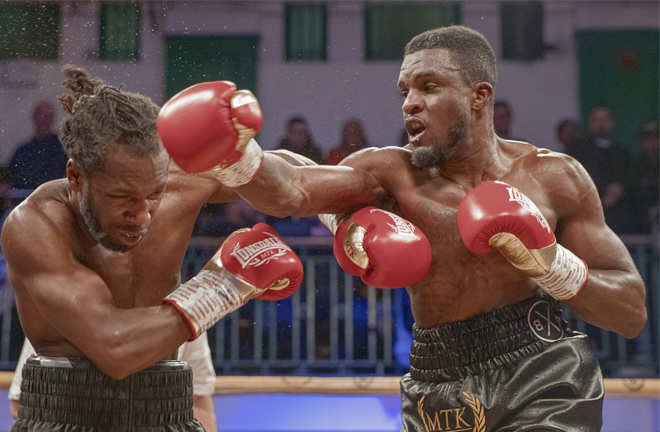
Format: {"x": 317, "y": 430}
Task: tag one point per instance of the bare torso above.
{"x": 140, "y": 277}
{"x": 459, "y": 283}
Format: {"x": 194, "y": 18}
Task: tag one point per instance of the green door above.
{"x": 195, "y": 59}
{"x": 620, "y": 69}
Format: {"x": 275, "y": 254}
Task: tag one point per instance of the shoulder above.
{"x": 42, "y": 222}
{"x": 561, "y": 177}
{"x": 555, "y": 166}
{"x": 378, "y": 158}
{"x": 385, "y": 165}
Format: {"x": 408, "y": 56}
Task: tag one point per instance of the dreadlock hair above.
{"x": 469, "y": 50}
{"x": 100, "y": 117}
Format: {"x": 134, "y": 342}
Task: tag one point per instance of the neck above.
{"x": 41, "y": 133}
{"x": 477, "y": 161}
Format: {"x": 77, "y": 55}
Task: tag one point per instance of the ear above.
{"x": 481, "y": 95}
{"x": 74, "y": 175}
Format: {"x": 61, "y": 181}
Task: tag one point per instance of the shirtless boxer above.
{"x": 514, "y": 231}
{"x": 95, "y": 260}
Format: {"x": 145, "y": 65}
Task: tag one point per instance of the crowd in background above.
{"x": 628, "y": 185}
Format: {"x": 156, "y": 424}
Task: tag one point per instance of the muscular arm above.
{"x": 223, "y": 194}
{"x": 76, "y": 303}
{"x": 283, "y": 189}
{"x": 613, "y": 297}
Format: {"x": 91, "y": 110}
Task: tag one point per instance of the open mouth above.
{"x": 130, "y": 238}
{"x": 415, "y": 129}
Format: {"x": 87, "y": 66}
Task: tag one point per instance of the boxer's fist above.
{"x": 495, "y": 214}
{"x": 384, "y": 249}
{"x": 250, "y": 263}
{"x": 210, "y": 126}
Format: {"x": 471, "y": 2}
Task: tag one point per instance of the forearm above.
{"x": 273, "y": 190}
{"x": 613, "y": 300}
{"x": 282, "y": 189}
{"x": 136, "y": 339}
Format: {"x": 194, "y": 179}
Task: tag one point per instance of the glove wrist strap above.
{"x": 567, "y": 275}
{"x": 209, "y": 296}
{"x": 244, "y": 170}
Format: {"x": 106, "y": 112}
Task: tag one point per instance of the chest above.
{"x": 151, "y": 270}
{"x": 433, "y": 206}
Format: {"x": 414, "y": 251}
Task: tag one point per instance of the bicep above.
{"x": 50, "y": 282}
{"x": 73, "y": 299}
{"x": 583, "y": 230}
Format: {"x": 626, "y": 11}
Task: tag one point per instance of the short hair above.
{"x": 296, "y": 120}
{"x": 100, "y": 117}
{"x": 468, "y": 48}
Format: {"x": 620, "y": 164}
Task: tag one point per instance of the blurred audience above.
{"x": 298, "y": 139}
{"x": 647, "y": 177}
{"x": 568, "y": 135}
{"x": 220, "y": 220}
{"x": 42, "y": 158}
{"x": 609, "y": 167}
{"x": 503, "y": 119}
{"x": 6, "y": 201}
{"x": 353, "y": 139}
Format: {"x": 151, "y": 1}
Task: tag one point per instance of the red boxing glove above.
{"x": 384, "y": 249}
{"x": 210, "y": 126}
{"x": 263, "y": 259}
{"x": 250, "y": 263}
{"x": 496, "y": 214}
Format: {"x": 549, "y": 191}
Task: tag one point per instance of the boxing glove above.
{"x": 384, "y": 249}
{"x": 251, "y": 263}
{"x": 496, "y": 214}
{"x": 211, "y": 126}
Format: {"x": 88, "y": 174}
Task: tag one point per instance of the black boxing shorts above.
{"x": 72, "y": 395}
{"x": 519, "y": 368}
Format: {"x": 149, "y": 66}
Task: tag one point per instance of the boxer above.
{"x": 95, "y": 258}
{"x": 516, "y": 232}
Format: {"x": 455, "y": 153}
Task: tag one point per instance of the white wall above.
{"x": 327, "y": 93}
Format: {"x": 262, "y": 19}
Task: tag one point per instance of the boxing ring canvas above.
{"x": 367, "y": 404}
{"x": 372, "y": 404}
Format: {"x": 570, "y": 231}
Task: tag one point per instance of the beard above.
{"x": 93, "y": 224}
{"x": 441, "y": 151}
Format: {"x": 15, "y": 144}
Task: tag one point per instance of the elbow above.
{"x": 636, "y": 324}
{"x": 114, "y": 358}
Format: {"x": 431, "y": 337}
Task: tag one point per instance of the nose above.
{"x": 412, "y": 104}
{"x": 139, "y": 213}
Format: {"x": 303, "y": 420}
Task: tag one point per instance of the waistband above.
{"x": 486, "y": 341}
{"x": 75, "y": 392}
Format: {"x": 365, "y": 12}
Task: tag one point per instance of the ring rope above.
{"x": 369, "y": 385}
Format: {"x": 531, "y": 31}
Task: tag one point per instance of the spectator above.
{"x": 6, "y": 202}
{"x": 647, "y": 177}
{"x": 42, "y": 158}
{"x": 610, "y": 168}
{"x": 353, "y": 139}
{"x": 503, "y": 119}
{"x": 299, "y": 140}
{"x": 568, "y": 135}
{"x": 220, "y": 220}
{"x": 299, "y": 226}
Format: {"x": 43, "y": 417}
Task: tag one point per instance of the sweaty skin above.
{"x": 444, "y": 113}
{"x": 77, "y": 298}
